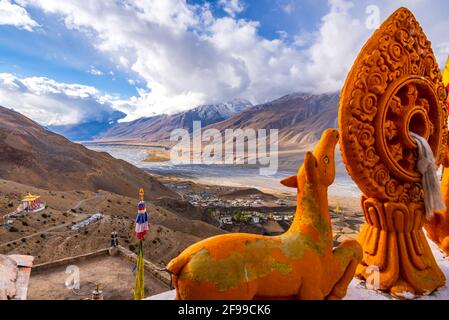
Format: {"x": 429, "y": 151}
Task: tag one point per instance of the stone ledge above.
{"x": 152, "y": 268}
{"x": 66, "y": 261}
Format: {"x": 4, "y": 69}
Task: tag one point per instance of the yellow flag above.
{"x": 446, "y": 74}
{"x": 139, "y": 291}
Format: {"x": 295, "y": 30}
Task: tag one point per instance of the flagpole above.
{"x": 141, "y": 230}
{"x": 142, "y": 196}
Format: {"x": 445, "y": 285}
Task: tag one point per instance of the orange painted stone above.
{"x": 394, "y": 88}
{"x": 300, "y": 264}
{"x": 438, "y": 228}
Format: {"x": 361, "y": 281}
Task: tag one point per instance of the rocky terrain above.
{"x": 47, "y": 235}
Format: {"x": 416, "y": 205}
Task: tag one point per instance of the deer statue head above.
{"x": 319, "y": 166}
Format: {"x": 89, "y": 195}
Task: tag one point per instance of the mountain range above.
{"x": 300, "y": 119}
{"x": 159, "y": 127}
{"x": 35, "y": 156}
{"x": 154, "y": 128}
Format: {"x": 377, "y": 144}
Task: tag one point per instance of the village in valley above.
{"x": 240, "y": 209}
{"x": 234, "y": 207}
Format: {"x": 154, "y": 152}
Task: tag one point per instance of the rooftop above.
{"x": 115, "y": 274}
{"x": 31, "y": 197}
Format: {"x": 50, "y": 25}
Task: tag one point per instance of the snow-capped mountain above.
{"x": 299, "y": 117}
{"x": 160, "y": 127}
{"x": 221, "y": 110}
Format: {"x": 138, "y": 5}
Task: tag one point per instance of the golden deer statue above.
{"x": 300, "y": 264}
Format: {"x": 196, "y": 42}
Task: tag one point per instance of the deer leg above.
{"x": 340, "y": 289}
{"x": 347, "y": 256}
{"x": 175, "y": 284}
{"x": 310, "y": 291}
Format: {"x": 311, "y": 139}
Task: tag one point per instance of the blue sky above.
{"x": 66, "y": 56}
{"x": 276, "y": 15}
{"x": 71, "y": 61}
{"x": 59, "y": 54}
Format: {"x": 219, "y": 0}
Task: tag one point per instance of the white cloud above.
{"x": 335, "y": 48}
{"x": 288, "y": 7}
{"x": 51, "y": 103}
{"x": 304, "y": 39}
{"x": 95, "y": 72}
{"x": 232, "y": 7}
{"x": 283, "y": 35}
{"x": 187, "y": 57}
{"x": 14, "y": 15}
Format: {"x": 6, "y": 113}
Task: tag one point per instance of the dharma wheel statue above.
{"x": 394, "y": 88}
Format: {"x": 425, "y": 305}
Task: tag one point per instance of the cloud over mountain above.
{"x": 51, "y": 103}
{"x": 186, "y": 54}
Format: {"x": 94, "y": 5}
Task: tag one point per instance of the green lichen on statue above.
{"x": 345, "y": 254}
{"x": 256, "y": 259}
{"x": 239, "y": 267}
{"x": 295, "y": 245}
{"x": 311, "y": 216}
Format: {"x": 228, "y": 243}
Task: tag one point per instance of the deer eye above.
{"x": 326, "y": 160}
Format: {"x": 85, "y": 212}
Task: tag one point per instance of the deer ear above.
{"x": 291, "y": 182}
{"x": 310, "y": 166}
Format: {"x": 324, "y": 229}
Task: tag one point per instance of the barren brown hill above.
{"x": 31, "y": 155}
{"x": 300, "y": 118}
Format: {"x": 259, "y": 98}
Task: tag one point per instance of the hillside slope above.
{"x": 53, "y": 238}
{"x": 300, "y": 118}
{"x": 34, "y": 156}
